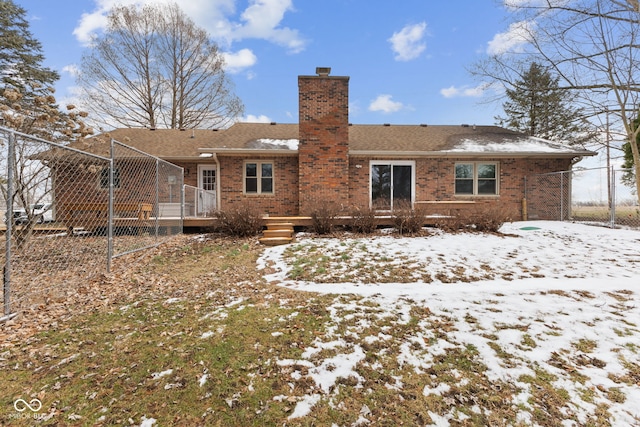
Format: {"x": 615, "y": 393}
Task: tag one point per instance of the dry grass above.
{"x": 190, "y": 334}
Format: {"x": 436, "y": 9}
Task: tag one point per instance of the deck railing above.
{"x": 199, "y": 203}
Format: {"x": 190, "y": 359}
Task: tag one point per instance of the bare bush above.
{"x": 452, "y": 223}
{"x": 242, "y": 220}
{"x": 490, "y": 219}
{"x": 323, "y": 214}
{"x": 408, "y": 220}
{"x": 363, "y": 220}
{"x": 486, "y": 219}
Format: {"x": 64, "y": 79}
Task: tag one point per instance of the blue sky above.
{"x": 407, "y": 59}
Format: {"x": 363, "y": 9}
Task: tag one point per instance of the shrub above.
{"x": 242, "y": 220}
{"x": 363, "y": 220}
{"x": 490, "y": 219}
{"x": 408, "y": 220}
{"x": 486, "y": 219}
{"x": 452, "y": 223}
{"x": 323, "y": 214}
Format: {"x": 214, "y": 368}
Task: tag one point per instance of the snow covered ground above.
{"x": 560, "y": 298}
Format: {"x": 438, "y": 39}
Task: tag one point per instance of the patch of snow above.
{"x": 304, "y": 407}
{"x": 441, "y": 388}
{"x": 203, "y": 380}
{"x": 234, "y": 302}
{"x": 158, "y": 375}
{"x": 284, "y": 144}
{"x": 147, "y": 422}
{"x": 522, "y": 145}
{"x": 339, "y": 366}
{"x": 550, "y": 288}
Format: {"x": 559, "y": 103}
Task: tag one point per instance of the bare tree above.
{"x": 591, "y": 45}
{"x": 154, "y": 67}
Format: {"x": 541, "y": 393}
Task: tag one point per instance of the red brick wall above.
{"x": 435, "y": 181}
{"x": 324, "y": 141}
{"x": 283, "y": 201}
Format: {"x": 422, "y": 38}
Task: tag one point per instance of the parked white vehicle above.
{"x": 42, "y": 212}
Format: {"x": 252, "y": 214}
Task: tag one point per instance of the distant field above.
{"x": 624, "y": 215}
{"x": 603, "y": 211}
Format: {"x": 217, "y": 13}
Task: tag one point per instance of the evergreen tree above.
{"x": 538, "y": 107}
{"x": 629, "y": 176}
{"x": 27, "y": 103}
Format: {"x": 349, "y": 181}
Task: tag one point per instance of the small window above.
{"x": 104, "y": 178}
{"x": 476, "y": 178}
{"x": 258, "y": 178}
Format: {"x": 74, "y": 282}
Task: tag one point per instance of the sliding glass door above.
{"x": 392, "y": 184}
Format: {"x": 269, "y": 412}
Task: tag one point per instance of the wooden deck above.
{"x": 195, "y": 223}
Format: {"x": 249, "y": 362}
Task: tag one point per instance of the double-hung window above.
{"x": 476, "y": 178}
{"x": 258, "y": 177}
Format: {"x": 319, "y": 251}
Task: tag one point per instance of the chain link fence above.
{"x": 68, "y": 213}
{"x": 147, "y": 196}
{"x": 599, "y": 195}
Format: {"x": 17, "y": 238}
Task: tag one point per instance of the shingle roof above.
{"x": 391, "y": 140}
{"x": 163, "y": 143}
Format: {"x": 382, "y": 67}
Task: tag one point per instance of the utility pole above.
{"x": 608, "y": 147}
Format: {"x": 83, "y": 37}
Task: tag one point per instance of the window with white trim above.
{"x": 392, "y": 184}
{"x": 258, "y": 177}
{"x": 476, "y": 178}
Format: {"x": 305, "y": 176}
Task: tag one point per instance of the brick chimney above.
{"x": 323, "y": 149}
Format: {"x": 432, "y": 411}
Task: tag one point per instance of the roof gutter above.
{"x": 248, "y": 151}
{"x": 492, "y": 154}
{"x": 218, "y": 198}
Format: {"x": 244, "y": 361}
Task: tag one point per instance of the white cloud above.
{"x": 260, "y": 20}
{"x": 512, "y": 40}
{"x": 250, "y": 118}
{"x": 407, "y": 44}
{"x": 384, "y": 104}
{"x": 71, "y": 69}
{"x": 237, "y": 61}
{"x": 464, "y": 91}
{"x": 517, "y": 4}
{"x": 89, "y": 24}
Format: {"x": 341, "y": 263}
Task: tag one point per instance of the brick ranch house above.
{"x": 287, "y": 169}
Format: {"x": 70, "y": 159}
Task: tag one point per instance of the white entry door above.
{"x": 206, "y": 200}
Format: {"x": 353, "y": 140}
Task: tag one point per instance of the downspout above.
{"x": 215, "y": 159}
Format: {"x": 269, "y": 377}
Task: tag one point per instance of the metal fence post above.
{"x": 182, "y": 199}
{"x": 110, "y": 207}
{"x": 569, "y": 195}
{"x": 612, "y": 192}
{"x": 561, "y": 196}
{"x": 157, "y": 201}
{"x": 7, "y": 267}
